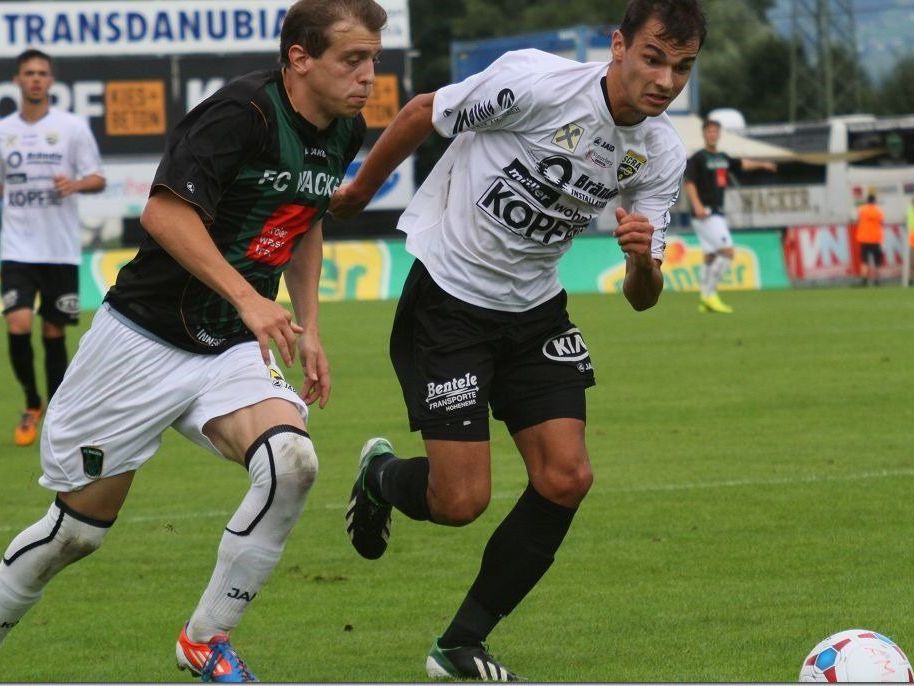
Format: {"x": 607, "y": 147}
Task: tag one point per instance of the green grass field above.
{"x": 753, "y": 489}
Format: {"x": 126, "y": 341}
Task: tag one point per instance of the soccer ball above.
{"x": 857, "y": 655}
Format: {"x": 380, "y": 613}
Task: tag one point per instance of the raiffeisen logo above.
{"x": 682, "y": 270}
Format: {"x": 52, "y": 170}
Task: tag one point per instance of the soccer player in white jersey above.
{"x": 47, "y": 156}
{"x": 543, "y": 145}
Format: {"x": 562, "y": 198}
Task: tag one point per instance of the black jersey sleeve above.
{"x": 693, "y": 168}
{"x": 207, "y": 148}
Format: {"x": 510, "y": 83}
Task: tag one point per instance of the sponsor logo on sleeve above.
{"x": 630, "y": 165}
{"x": 485, "y": 113}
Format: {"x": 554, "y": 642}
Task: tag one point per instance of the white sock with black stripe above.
{"x": 282, "y": 465}
{"x": 37, "y": 554}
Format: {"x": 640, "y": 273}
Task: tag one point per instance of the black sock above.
{"x": 402, "y": 483}
{"x": 23, "y": 366}
{"x": 517, "y": 555}
{"x": 55, "y": 362}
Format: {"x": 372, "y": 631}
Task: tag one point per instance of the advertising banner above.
{"x": 831, "y": 253}
{"x": 376, "y": 270}
{"x": 169, "y": 27}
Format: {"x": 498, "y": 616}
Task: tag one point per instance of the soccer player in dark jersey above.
{"x": 706, "y": 178}
{"x": 542, "y": 145}
{"x": 183, "y": 338}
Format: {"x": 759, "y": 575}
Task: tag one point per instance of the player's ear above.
{"x": 299, "y": 60}
{"x": 618, "y": 45}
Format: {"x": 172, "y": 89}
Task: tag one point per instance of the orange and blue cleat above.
{"x": 214, "y": 660}
{"x": 27, "y": 430}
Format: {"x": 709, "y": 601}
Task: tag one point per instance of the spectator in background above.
{"x": 47, "y": 156}
{"x": 706, "y": 179}
{"x": 869, "y": 234}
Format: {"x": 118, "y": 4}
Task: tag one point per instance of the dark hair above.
{"x": 708, "y": 123}
{"x": 871, "y": 198}
{"x": 308, "y": 23}
{"x": 683, "y": 20}
{"x": 31, "y": 54}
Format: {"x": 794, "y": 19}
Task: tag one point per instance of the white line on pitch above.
{"x": 643, "y": 488}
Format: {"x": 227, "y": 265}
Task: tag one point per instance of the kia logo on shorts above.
{"x": 566, "y": 347}
{"x": 68, "y": 304}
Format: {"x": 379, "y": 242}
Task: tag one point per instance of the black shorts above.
{"x": 454, "y": 359}
{"x": 871, "y": 249}
{"x": 58, "y": 285}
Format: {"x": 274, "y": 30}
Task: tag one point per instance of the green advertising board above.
{"x": 376, "y": 270}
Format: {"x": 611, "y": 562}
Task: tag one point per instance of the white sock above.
{"x": 38, "y": 553}
{"x": 705, "y": 286}
{"x": 717, "y": 269}
{"x": 282, "y": 466}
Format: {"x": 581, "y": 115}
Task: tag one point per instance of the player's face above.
{"x": 341, "y": 79}
{"x": 654, "y": 70}
{"x": 34, "y": 80}
{"x": 711, "y": 135}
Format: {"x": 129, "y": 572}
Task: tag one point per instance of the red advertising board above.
{"x": 831, "y": 252}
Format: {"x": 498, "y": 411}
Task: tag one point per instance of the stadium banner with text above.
{"x": 173, "y": 27}
{"x": 831, "y": 253}
{"x": 376, "y": 270}
{"x": 132, "y": 102}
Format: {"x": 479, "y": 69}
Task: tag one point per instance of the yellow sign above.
{"x": 384, "y": 102}
{"x": 135, "y": 108}
{"x": 682, "y": 270}
{"x": 351, "y": 271}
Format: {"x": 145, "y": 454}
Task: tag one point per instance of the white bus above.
{"x": 836, "y": 164}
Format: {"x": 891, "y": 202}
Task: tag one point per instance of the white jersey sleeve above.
{"x": 658, "y": 190}
{"x": 499, "y": 97}
{"x": 85, "y": 154}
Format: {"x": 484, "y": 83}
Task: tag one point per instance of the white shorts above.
{"x": 123, "y": 389}
{"x": 713, "y": 233}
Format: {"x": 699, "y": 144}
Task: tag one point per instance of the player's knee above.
{"x": 458, "y": 509}
{"x": 567, "y": 485}
{"x": 295, "y": 464}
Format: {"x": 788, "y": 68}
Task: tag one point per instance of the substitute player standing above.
{"x": 706, "y": 179}
{"x": 47, "y": 156}
{"x": 183, "y": 337}
{"x": 482, "y": 318}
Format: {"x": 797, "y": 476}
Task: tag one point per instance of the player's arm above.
{"x": 698, "y": 207}
{"x": 410, "y": 127}
{"x": 303, "y": 279}
{"x": 757, "y": 165}
{"x": 91, "y": 183}
{"x": 643, "y": 280}
{"x": 176, "y": 226}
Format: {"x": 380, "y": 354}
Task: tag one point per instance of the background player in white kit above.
{"x": 543, "y": 145}
{"x": 47, "y": 156}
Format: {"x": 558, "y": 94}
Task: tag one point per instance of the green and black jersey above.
{"x": 260, "y": 176}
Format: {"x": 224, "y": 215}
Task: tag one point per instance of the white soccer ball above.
{"x": 857, "y": 655}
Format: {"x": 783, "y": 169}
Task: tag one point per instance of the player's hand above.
{"x": 703, "y": 213}
{"x": 316, "y": 386}
{"x": 347, "y": 202}
{"x": 64, "y": 185}
{"x": 268, "y": 320}
{"x": 635, "y": 234}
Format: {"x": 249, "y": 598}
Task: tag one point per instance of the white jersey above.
{"x": 538, "y": 157}
{"x": 39, "y": 225}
